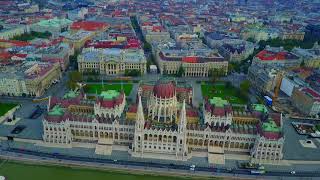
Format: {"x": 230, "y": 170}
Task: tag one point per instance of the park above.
{"x": 5, "y": 107}
{"x": 98, "y": 88}
{"x": 221, "y": 89}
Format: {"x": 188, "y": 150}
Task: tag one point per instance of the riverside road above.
{"x": 13, "y": 153}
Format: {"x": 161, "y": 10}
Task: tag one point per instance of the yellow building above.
{"x": 194, "y": 64}
{"x": 79, "y": 38}
{"x": 112, "y": 61}
{"x": 28, "y": 79}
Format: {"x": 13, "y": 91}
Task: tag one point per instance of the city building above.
{"x": 310, "y": 57}
{"x": 89, "y": 26}
{"x": 217, "y": 112}
{"x": 112, "y": 61}
{"x": 277, "y": 57}
{"x": 159, "y": 131}
{"x": 55, "y": 26}
{"x": 306, "y": 100}
{"x": 263, "y": 79}
{"x": 236, "y": 50}
{"x": 194, "y": 63}
{"x": 9, "y": 31}
{"x": 28, "y": 78}
{"x": 78, "y": 39}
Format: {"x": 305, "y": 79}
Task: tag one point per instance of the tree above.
{"x": 251, "y": 39}
{"x": 74, "y": 78}
{"x": 133, "y": 72}
{"x": 147, "y": 46}
{"x": 180, "y": 72}
{"x": 302, "y": 64}
{"x": 244, "y": 88}
{"x": 74, "y": 59}
{"x": 228, "y": 84}
{"x": 215, "y": 74}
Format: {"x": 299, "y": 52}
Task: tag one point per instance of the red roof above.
{"x": 192, "y": 113}
{"x": 88, "y": 25}
{"x": 164, "y": 90}
{"x": 5, "y": 55}
{"x": 157, "y": 29}
{"x": 111, "y": 103}
{"x": 190, "y": 59}
{"x": 21, "y": 55}
{"x": 133, "y": 108}
{"x": 271, "y": 135}
{"x": 15, "y": 43}
{"x": 313, "y": 93}
{"x": 265, "y": 55}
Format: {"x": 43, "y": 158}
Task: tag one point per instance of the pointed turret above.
{"x": 183, "y": 118}
{"x": 140, "y": 116}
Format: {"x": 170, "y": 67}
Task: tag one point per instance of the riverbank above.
{"x": 15, "y": 169}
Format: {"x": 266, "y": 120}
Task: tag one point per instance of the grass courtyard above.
{"x": 97, "y": 88}
{"x": 19, "y": 171}
{"x": 220, "y": 90}
{"x": 5, "y": 107}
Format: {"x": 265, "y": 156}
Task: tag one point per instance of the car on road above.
{"x": 293, "y": 172}
{"x": 229, "y": 169}
{"x": 18, "y": 129}
{"x": 257, "y": 171}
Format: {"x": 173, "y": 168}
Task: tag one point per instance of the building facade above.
{"x": 306, "y": 100}
{"x": 112, "y": 61}
{"x": 28, "y": 79}
{"x": 74, "y": 119}
{"x": 193, "y": 64}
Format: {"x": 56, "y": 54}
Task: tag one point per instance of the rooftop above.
{"x": 266, "y": 55}
{"x": 218, "y": 102}
{"x": 88, "y": 25}
{"x": 270, "y": 126}
{"x": 57, "y": 110}
{"x": 260, "y": 107}
{"x": 71, "y": 94}
{"x": 109, "y": 94}
{"x": 55, "y": 22}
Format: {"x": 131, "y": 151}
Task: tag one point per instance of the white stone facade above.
{"x": 114, "y": 112}
{"x": 146, "y": 140}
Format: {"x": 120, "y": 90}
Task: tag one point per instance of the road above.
{"x": 19, "y": 154}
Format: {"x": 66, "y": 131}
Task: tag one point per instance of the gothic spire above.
{"x": 140, "y": 116}
{"x": 183, "y": 118}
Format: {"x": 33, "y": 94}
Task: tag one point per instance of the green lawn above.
{"x": 93, "y": 88}
{"x": 5, "y": 107}
{"x": 18, "y": 171}
{"x": 220, "y": 90}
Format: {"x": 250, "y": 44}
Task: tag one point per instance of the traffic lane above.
{"x": 177, "y": 167}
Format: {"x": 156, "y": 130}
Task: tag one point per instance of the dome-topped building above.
{"x": 164, "y": 89}
{"x": 162, "y": 105}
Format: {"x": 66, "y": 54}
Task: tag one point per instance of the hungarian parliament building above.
{"x": 163, "y": 124}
